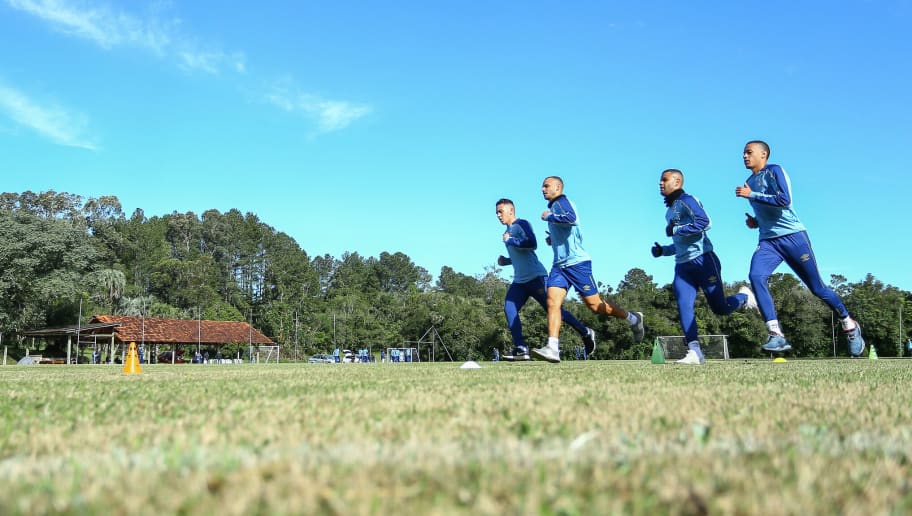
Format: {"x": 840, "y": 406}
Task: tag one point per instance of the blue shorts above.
{"x": 578, "y": 275}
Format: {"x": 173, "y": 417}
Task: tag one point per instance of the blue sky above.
{"x": 395, "y": 126}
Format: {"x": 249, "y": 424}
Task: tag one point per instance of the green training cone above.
{"x": 658, "y": 357}
{"x": 872, "y": 353}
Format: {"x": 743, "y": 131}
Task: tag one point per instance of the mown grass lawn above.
{"x": 598, "y": 437}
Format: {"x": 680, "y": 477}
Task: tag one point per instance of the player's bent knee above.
{"x": 556, "y": 300}
{"x": 822, "y": 291}
{"x": 758, "y": 279}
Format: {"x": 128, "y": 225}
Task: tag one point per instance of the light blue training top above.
{"x": 521, "y": 245}
{"x": 690, "y": 224}
{"x": 566, "y": 239}
{"x": 771, "y": 198}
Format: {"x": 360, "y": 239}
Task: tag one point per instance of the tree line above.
{"x": 61, "y": 255}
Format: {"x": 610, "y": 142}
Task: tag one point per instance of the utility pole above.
{"x": 142, "y": 335}
{"x": 296, "y": 336}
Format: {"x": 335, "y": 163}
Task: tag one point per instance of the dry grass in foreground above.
{"x": 737, "y": 437}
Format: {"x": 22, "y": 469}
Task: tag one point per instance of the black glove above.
{"x": 657, "y": 250}
{"x": 669, "y": 229}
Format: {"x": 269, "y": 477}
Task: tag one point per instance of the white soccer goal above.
{"x": 264, "y": 354}
{"x": 402, "y": 355}
{"x": 714, "y": 346}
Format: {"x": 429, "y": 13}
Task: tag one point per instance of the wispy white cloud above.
{"x": 330, "y": 115}
{"x": 334, "y": 114}
{"x": 100, "y": 24}
{"x": 109, "y": 28}
{"x": 212, "y": 62}
{"x": 53, "y": 122}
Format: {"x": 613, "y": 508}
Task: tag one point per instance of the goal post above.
{"x": 264, "y": 354}
{"x": 714, "y": 346}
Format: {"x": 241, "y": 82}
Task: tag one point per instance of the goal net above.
{"x": 402, "y": 355}
{"x": 714, "y": 346}
{"x": 264, "y": 354}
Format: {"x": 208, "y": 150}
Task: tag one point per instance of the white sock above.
{"x": 554, "y": 343}
{"x": 631, "y": 318}
{"x": 848, "y": 324}
{"x": 773, "y": 327}
{"x": 695, "y": 346}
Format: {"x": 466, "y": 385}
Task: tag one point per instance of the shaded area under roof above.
{"x": 71, "y": 330}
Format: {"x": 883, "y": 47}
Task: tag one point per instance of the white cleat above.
{"x": 691, "y": 358}
{"x": 546, "y": 353}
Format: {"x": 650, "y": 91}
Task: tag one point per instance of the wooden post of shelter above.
{"x": 78, "y": 331}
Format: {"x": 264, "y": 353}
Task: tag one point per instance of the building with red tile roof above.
{"x": 179, "y": 331}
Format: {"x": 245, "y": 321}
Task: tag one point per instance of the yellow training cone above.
{"x": 131, "y": 364}
{"x": 779, "y": 359}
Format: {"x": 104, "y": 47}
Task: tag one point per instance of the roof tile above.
{"x": 134, "y": 329}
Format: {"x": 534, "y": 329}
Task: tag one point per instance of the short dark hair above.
{"x": 558, "y": 178}
{"x": 762, "y": 145}
{"x": 504, "y": 200}
{"x": 673, "y": 171}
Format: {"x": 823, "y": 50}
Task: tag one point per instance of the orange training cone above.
{"x": 131, "y": 364}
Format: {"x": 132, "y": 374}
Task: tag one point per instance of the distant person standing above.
{"x": 909, "y": 348}
{"x": 528, "y": 281}
{"x": 783, "y": 238}
{"x": 696, "y": 265}
{"x": 572, "y": 267}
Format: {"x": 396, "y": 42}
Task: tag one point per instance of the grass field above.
{"x": 599, "y": 437}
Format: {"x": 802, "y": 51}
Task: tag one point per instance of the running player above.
{"x": 528, "y": 281}
{"x": 572, "y": 267}
{"x": 696, "y": 265}
{"x": 783, "y": 238}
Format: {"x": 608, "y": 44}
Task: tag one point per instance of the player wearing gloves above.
{"x": 783, "y": 238}
{"x": 696, "y": 265}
